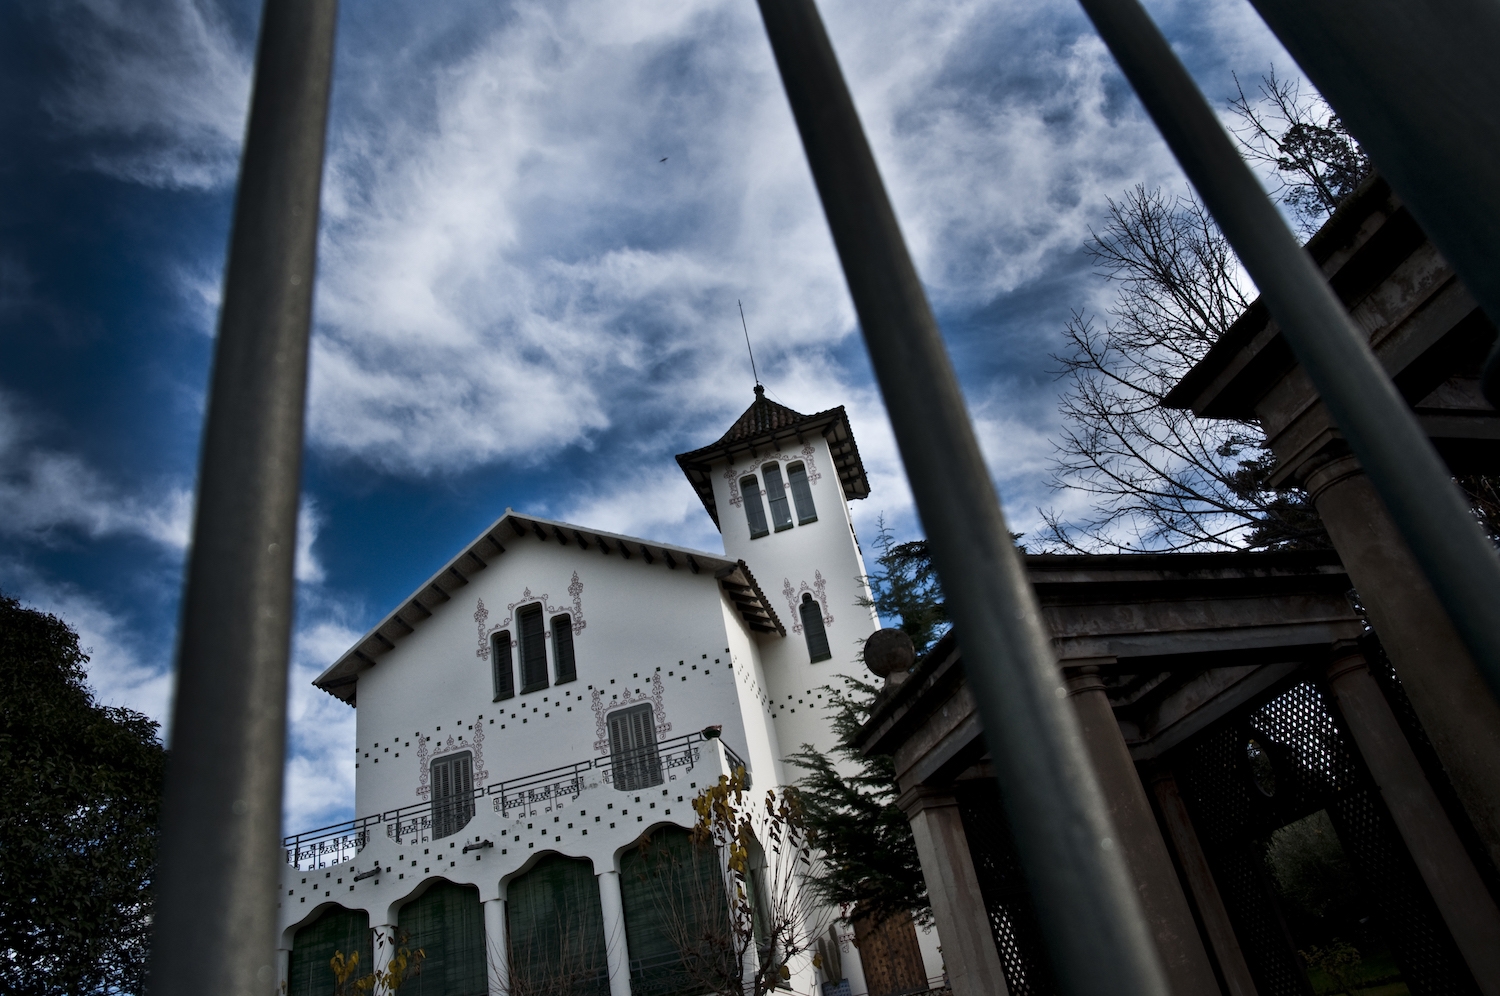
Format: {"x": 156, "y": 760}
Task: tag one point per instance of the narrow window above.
{"x": 755, "y": 512}
{"x": 781, "y": 512}
{"x": 632, "y": 748}
{"x": 812, "y": 628}
{"x": 796, "y": 476}
{"x": 533, "y": 648}
{"x": 501, "y": 666}
{"x": 452, "y": 793}
{"x": 562, "y": 649}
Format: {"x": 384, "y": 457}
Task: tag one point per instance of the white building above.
{"x": 541, "y": 703}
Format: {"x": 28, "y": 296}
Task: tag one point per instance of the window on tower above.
{"x": 533, "y": 648}
{"x": 812, "y": 629}
{"x": 755, "y": 512}
{"x": 781, "y": 510}
{"x": 796, "y": 476}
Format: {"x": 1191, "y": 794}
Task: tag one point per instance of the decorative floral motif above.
{"x": 602, "y": 706}
{"x": 819, "y": 590}
{"x": 575, "y": 589}
{"x": 480, "y": 615}
{"x": 813, "y": 477}
{"x": 452, "y": 745}
{"x": 734, "y": 487}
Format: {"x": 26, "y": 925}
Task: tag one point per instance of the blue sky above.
{"x": 519, "y": 304}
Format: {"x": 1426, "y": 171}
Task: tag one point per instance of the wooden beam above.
{"x": 516, "y": 525}
{"x": 667, "y": 556}
{"x": 458, "y": 576}
{"x": 541, "y": 533}
{"x": 442, "y": 595}
{"x": 559, "y": 534}
{"x": 603, "y": 546}
{"x": 693, "y": 564}
{"x": 424, "y": 610}
{"x": 646, "y": 554}
{"x": 583, "y": 544}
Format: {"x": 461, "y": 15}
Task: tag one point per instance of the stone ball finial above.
{"x": 889, "y": 651}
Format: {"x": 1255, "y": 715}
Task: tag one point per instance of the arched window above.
{"x": 447, "y": 923}
{"x": 755, "y": 512}
{"x": 796, "y": 476}
{"x": 313, "y": 946}
{"x": 452, "y": 793}
{"x": 781, "y": 512}
{"x": 812, "y": 628}
{"x": 533, "y": 648}
{"x": 501, "y": 667}
{"x": 632, "y": 748}
{"x": 562, "y": 649}
{"x": 556, "y": 929}
{"x": 677, "y": 917}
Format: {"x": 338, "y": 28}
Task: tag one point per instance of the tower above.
{"x": 777, "y": 485}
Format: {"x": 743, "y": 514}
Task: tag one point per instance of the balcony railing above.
{"x": 339, "y": 842}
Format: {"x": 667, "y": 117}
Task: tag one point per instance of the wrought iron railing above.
{"x": 339, "y": 842}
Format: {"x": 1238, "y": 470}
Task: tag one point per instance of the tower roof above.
{"x": 765, "y": 426}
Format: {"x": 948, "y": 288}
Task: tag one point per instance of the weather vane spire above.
{"x": 753, "y": 371}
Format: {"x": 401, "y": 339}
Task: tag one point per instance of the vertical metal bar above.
{"x": 1416, "y": 81}
{"x": 1400, "y": 460}
{"x": 1085, "y": 899}
{"x": 216, "y": 879}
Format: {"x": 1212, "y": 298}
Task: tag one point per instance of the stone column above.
{"x": 1457, "y": 710}
{"x": 615, "y": 949}
{"x": 963, "y": 923}
{"x": 496, "y": 947}
{"x": 1200, "y": 880}
{"x": 1168, "y": 916}
{"x": 385, "y": 949}
{"x": 1466, "y": 905}
{"x": 283, "y": 970}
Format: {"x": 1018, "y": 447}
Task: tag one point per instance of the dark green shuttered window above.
{"x": 632, "y": 748}
{"x": 812, "y": 629}
{"x": 562, "y": 648}
{"x": 781, "y": 512}
{"x": 676, "y": 917}
{"x": 533, "y": 648}
{"x": 796, "y": 475}
{"x": 505, "y": 676}
{"x": 447, "y": 923}
{"x": 314, "y": 945}
{"x": 452, "y": 794}
{"x": 556, "y": 929}
{"x": 755, "y": 512}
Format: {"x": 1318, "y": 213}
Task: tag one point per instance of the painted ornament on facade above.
{"x": 482, "y": 614}
{"x": 819, "y": 589}
{"x": 454, "y": 744}
{"x": 603, "y": 706}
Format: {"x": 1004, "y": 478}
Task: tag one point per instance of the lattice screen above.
{"x": 314, "y": 945}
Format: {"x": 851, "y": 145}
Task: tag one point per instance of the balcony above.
{"x": 340, "y": 842}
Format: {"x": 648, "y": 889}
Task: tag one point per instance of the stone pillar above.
{"x": 963, "y": 923}
{"x": 1200, "y": 880}
{"x": 1168, "y": 916}
{"x": 496, "y": 947}
{"x": 1466, "y": 905}
{"x": 283, "y": 970}
{"x": 385, "y": 950}
{"x": 1457, "y": 710}
{"x": 615, "y": 949}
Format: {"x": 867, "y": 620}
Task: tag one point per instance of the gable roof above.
{"x": 763, "y": 426}
{"x": 341, "y": 677}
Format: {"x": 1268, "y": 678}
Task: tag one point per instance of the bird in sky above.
{"x": 665, "y": 158}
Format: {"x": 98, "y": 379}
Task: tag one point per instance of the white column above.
{"x": 615, "y": 949}
{"x": 496, "y": 950}
{"x": 385, "y": 950}
{"x": 963, "y": 924}
{"x": 283, "y": 970}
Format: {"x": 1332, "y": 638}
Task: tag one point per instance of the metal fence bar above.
{"x": 1085, "y": 899}
{"x": 216, "y": 881}
{"x": 1416, "y": 82}
{"x": 1400, "y": 460}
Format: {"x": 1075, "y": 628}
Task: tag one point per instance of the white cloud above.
{"x": 320, "y": 732}
{"x": 163, "y": 87}
{"x": 43, "y": 490}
